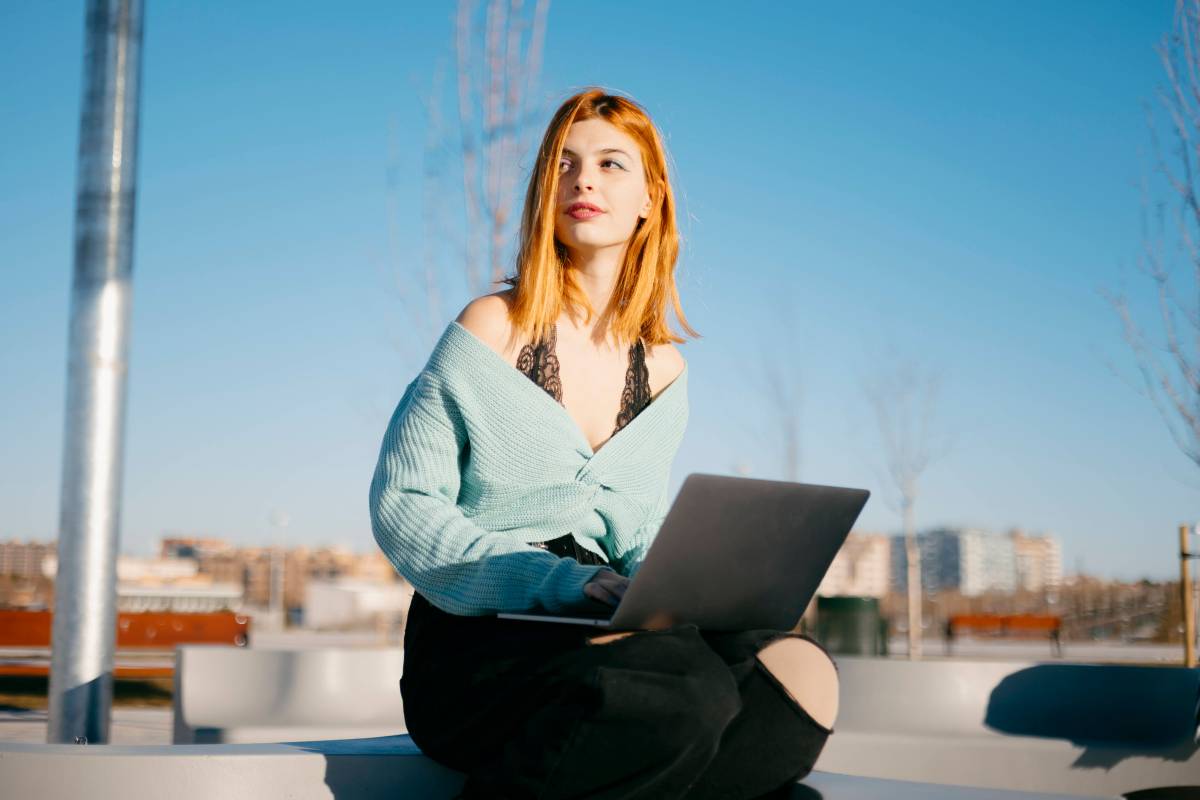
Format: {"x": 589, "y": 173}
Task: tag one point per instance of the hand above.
{"x": 607, "y": 587}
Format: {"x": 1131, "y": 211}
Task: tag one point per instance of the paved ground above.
{"x": 129, "y": 726}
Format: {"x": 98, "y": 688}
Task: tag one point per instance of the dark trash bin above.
{"x": 851, "y": 626}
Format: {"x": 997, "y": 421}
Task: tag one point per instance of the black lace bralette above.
{"x": 539, "y": 363}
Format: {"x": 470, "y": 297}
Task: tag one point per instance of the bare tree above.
{"x": 778, "y": 383}
{"x": 495, "y": 84}
{"x": 1169, "y": 361}
{"x": 784, "y": 396}
{"x": 904, "y": 400}
{"x": 475, "y": 158}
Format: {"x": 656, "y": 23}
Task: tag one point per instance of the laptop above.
{"x": 732, "y": 554}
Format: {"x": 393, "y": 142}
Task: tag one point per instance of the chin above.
{"x": 577, "y": 243}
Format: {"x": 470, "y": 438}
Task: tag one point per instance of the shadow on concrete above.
{"x": 382, "y": 766}
{"x": 1112, "y": 711}
{"x": 1165, "y": 793}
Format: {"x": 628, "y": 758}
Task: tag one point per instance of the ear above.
{"x": 647, "y": 204}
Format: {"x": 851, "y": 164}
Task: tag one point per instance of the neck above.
{"x": 596, "y": 272}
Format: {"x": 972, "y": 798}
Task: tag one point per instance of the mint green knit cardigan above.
{"x": 478, "y": 460}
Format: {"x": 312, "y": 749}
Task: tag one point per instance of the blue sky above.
{"x": 947, "y": 181}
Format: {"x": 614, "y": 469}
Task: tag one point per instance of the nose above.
{"x": 584, "y": 178}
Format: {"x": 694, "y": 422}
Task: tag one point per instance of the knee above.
{"x": 806, "y": 673}
{"x": 713, "y": 693}
{"x": 676, "y": 685}
{"x": 702, "y": 706}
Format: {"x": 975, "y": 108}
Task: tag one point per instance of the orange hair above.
{"x": 646, "y": 281}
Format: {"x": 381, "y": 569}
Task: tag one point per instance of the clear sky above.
{"x": 947, "y": 181}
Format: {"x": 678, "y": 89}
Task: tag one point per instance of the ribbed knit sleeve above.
{"x": 629, "y": 551}
{"x": 457, "y": 565}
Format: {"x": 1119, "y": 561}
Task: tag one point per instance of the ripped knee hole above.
{"x": 807, "y": 674}
{"x": 610, "y": 637}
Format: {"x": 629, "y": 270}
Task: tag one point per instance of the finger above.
{"x": 620, "y": 583}
{"x": 600, "y": 594}
{"x": 611, "y": 597}
{"x": 613, "y": 582}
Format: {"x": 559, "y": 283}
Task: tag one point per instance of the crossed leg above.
{"x": 715, "y": 716}
{"x": 802, "y": 668}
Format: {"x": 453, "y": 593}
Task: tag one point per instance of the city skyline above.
{"x": 956, "y": 183}
{"x": 857, "y": 547}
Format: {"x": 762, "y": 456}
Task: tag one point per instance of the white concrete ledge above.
{"x": 1070, "y": 728}
{"x": 1102, "y": 730}
{"x": 384, "y": 768}
{"x": 241, "y": 695}
{"x": 1024, "y": 764}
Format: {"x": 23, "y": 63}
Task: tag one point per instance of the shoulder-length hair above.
{"x": 646, "y": 281}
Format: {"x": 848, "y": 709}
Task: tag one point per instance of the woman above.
{"x": 503, "y": 485}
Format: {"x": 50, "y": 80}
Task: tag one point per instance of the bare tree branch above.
{"x": 470, "y": 148}
{"x": 903, "y": 396}
{"x": 473, "y": 158}
{"x": 781, "y": 387}
{"x": 784, "y": 398}
{"x": 1170, "y": 364}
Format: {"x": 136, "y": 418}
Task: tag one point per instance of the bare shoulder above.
{"x": 664, "y": 362}
{"x": 487, "y": 318}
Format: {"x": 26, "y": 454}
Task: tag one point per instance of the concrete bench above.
{"x": 390, "y": 768}
{"x": 1054, "y": 728}
{"x": 1071, "y": 728}
{"x": 232, "y": 695}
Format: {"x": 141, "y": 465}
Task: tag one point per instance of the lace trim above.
{"x": 539, "y": 363}
{"x": 636, "y": 395}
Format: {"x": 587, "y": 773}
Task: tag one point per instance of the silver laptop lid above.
{"x": 739, "y": 554}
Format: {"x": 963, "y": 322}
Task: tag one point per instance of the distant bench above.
{"x": 145, "y": 641}
{"x": 1048, "y": 625}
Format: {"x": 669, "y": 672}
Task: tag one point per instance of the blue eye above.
{"x": 567, "y": 163}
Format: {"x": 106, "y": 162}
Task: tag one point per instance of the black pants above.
{"x": 534, "y": 710}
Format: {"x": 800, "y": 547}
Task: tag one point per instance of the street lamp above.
{"x": 279, "y": 521}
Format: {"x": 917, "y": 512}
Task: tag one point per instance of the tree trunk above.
{"x": 913, "y": 557}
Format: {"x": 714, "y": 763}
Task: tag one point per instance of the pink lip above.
{"x": 583, "y": 211}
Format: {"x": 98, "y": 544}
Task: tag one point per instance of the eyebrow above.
{"x": 569, "y": 151}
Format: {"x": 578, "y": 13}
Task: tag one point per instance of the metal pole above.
{"x": 85, "y": 587}
{"x": 1185, "y": 594}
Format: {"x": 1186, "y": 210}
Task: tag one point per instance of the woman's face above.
{"x": 600, "y": 167}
